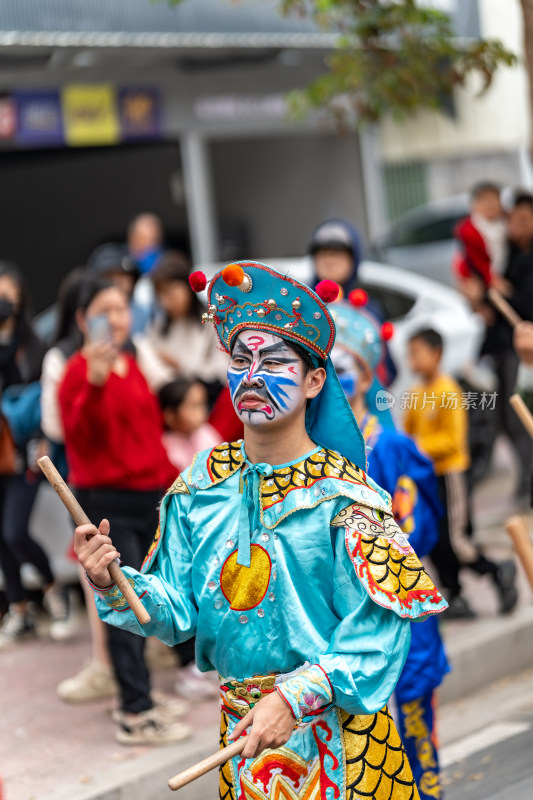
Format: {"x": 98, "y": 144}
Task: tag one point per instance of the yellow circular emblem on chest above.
{"x": 245, "y": 587}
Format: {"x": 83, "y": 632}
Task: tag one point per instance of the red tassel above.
{"x": 328, "y": 291}
{"x": 358, "y": 297}
{"x": 387, "y": 331}
{"x": 197, "y": 281}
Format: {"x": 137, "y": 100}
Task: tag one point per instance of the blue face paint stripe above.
{"x": 274, "y": 385}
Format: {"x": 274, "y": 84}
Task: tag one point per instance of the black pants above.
{"x": 454, "y": 550}
{"x": 133, "y": 518}
{"x": 506, "y": 367}
{"x": 17, "y": 496}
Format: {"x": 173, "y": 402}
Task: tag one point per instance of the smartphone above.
{"x": 99, "y": 329}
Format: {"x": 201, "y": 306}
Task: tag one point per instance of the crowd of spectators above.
{"x": 121, "y": 400}
{"x": 132, "y": 385}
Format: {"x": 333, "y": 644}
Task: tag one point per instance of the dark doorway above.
{"x": 56, "y": 206}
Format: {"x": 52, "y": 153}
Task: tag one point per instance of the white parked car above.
{"x": 422, "y": 240}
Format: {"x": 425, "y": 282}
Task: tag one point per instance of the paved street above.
{"x": 491, "y": 759}
{"x": 52, "y": 751}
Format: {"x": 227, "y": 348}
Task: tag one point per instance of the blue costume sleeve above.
{"x": 167, "y": 595}
{"x": 365, "y": 656}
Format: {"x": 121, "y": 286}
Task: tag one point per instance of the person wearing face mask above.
{"x": 396, "y": 464}
{"x": 271, "y": 552}
{"x": 21, "y": 357}
{"x": 112, "y": 431}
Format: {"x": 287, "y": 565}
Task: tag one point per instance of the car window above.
{"x": 392, "y": 305}
{"x": 424, "y": 232}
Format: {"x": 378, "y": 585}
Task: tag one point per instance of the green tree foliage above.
{"x": 392, "y": 57}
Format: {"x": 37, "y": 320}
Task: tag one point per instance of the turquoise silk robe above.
{"x": 296, "y": 571}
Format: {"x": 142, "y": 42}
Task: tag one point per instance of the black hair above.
{"x": 176, "y": 266}
{"x": 429, "y": 336}
{"x": 24, "y": 335}
{"x": 67, "y": 331}
{"x": 91, "y": 286}
{"x": 172, "y": 394}
{"x": 484, "y": 187}
{"x": 523, "y": 198}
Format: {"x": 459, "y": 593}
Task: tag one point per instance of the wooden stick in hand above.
{"x": 523, "y": 413}
{"x": 209, "y": 763}
{"x": 80, "y": 518}
{"x": 506, "y": 310}
{"x": 518, "y": 530}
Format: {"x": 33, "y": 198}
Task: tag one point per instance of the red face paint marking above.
{"x": 254, "y": 343}
{"x": 293, "y": 370}
{"x": 251, "y": 371}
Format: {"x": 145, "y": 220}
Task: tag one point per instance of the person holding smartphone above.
{"x": 113, "y": 427}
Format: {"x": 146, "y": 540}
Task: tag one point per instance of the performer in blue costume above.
{"x": 285, "y": 561}
{"x": 396, "y": 464}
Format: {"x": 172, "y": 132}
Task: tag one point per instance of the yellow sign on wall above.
{"x": 90, "y": 115}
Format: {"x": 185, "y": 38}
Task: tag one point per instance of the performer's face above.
{"x": 353, "y": 378}
{"x": 266, "y": 378}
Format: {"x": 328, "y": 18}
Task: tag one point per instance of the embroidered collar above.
{"x": 318, "y": 474}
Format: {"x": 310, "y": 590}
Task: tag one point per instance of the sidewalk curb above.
{"x": 146, "y": 778}
{"x": 488, "y": 651}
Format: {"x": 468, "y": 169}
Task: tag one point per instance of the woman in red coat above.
{"x": 119, "y": 467}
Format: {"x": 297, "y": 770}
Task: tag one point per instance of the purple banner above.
{"x": 40, "y": 121}
{"x": 140, "y": 113}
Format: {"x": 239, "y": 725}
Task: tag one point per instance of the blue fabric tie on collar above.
{"x": 249, "y": 517}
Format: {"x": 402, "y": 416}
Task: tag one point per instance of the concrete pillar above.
{"x": 372, "y": 181}
{"x": 199, "y": 198}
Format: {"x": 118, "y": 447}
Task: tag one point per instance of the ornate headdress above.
{"x": 251, "y": 296}
{"x": 360, "y": 333}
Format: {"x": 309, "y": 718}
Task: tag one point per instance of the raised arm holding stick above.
{"x": 80, "y": 518}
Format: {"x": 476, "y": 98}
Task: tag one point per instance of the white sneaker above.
{"x": 150, "y": 727}
{"x": 56, "y": 602}
{"x": 171, "y": 707}
{"x": 94, "y": 682}
{"x": 196, "y": 686}
{"x": 16, "y": 627}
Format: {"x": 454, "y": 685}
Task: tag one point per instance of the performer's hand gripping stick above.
{"x": 209, "y": 763}
{"x": 80, "y": 518}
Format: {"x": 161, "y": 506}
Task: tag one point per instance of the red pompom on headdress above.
{"x": 358, "y": 297}
{"x": 387, "y": 331}
{"x": 197, "y": 281}
{"x": 233, "y": 275}
{"x": 328, "y": 291}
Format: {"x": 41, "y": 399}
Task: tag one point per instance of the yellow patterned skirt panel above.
{"x": 375, "y": 766}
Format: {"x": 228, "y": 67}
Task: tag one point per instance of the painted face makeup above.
{"x": 265, "y": 377}
{"x": 347, "y": 371}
